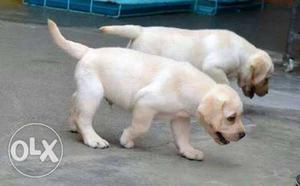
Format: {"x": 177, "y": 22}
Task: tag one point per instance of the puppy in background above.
{"x": 222, "y": 54}
{"x": 152, "y": 87}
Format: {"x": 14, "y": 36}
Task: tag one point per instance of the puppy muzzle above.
{"x": 241, "y": 135}
{"x": 221, "y": 138}
{"x": 249, "y": 91}
{"x": 261, "y": 93}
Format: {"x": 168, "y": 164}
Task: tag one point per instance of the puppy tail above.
{"x": 128, "y": 31}
{"x": 76, "y": 50}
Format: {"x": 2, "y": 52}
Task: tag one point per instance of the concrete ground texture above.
{"x": 36, "y": 80}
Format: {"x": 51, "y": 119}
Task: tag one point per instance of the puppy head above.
{"x": 256, "y": 78}
{"x": 220, "y": 112}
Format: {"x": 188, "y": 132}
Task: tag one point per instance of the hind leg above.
{"x": 87, "y": 100}
{"x": 73, "y": 115}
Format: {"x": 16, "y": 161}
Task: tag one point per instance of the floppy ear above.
{"x": 211, "y": 109}
{"x": 258, "y": 69}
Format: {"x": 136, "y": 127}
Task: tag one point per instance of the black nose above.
{"x": 241, "y": 135}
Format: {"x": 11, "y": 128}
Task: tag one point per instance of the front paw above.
{"x": 192, "y": 154}
{"x": 96, "y": 141}
{"x": 126, "y": 141}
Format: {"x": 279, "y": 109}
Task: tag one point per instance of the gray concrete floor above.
{"x": 36, "y": 81}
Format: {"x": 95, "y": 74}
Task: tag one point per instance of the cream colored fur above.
{"x": 152, "y": 87}
{"x": 222, "y": 54}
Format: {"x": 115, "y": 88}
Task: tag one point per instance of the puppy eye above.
{"x": 231, "y": 118}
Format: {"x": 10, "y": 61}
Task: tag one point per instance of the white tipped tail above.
{"x": 128, "y": 31}
{"x": 74, "y": 49}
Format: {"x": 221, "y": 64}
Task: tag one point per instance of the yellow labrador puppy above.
{"x": 150, "y": 86}
{"x": 222, "y": 54}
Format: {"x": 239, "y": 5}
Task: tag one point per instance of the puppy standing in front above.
{"x": 221, "y": 54}
{"x": 150, "y": 86}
